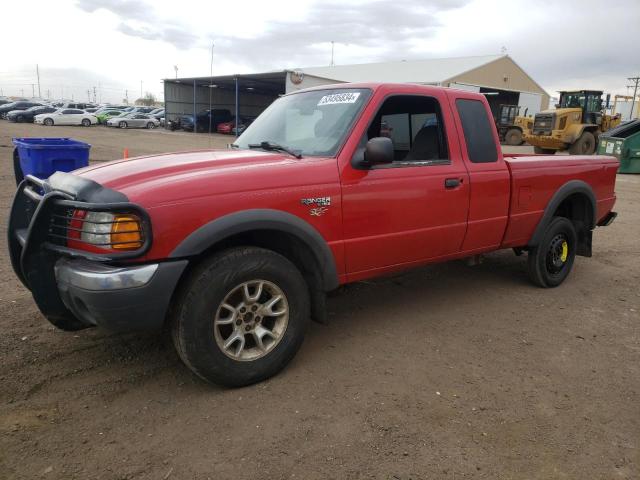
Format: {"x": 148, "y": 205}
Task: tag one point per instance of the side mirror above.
{"x": 379, "y": 150}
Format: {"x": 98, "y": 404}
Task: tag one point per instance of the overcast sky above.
{"x": 115, "y": 45}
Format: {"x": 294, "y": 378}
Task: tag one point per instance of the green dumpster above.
{"x": 623, "y": 142}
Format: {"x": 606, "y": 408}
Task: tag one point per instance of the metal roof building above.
{"x": 498, "y": 76}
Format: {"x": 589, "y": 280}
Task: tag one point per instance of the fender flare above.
{"x": 569, "y": 188}
{"x": 262, "y": 219}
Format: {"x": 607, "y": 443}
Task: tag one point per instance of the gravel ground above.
{"x": 444, "y": 372}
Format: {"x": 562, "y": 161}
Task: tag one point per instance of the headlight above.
{"x": 106, "y": 230}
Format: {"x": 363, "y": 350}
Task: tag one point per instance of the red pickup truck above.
{"x": 234, "y": 250}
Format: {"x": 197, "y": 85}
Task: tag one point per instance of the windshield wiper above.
{"x": 270, "y": 146}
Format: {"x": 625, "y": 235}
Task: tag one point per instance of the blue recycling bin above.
{"x": 41, "y": 157}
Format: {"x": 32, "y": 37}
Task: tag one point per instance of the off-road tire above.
{"x": 544, "y": 151}
{"x": 585, "y": 145}
{"x": 541, "y": 270}
{"x": 200, "y": 296}
{"x": 513, "y": 137}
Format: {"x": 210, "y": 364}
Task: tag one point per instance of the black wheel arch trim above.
{"x": 570, "y": 188}
{"x": 262, "y": 219}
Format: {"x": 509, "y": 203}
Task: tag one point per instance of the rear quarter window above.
{"x": 478, "y": 133}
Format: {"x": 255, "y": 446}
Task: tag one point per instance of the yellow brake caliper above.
{"x": 565, "y": 251}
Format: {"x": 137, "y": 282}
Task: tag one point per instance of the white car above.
{"x": 134, "y": 120}
{"x": 67, "y": 116}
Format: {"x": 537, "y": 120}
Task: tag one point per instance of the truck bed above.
{"x": 535, "y": 179}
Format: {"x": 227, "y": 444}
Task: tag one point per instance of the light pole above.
{"x": 175, "y": 67}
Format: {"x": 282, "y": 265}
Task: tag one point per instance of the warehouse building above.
{"x": 497, "y": 76}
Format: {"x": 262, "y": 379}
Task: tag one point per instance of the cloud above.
{"x": 130, "y": 9}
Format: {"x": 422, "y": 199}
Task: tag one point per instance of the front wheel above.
{"x": 550, "y": 262}
{"x": 585, "y": 145}
{"x": 513, "y": 137}
{"x": 241, "y": 316}
{"x": 151, "y": 125}
{"x": 48, "y": 122}
{"x": 123, "y": 125}
{"x": 20, "y": 119}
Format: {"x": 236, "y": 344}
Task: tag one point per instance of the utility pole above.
{"x": 94, "y": 94}
{"x": 33, "y": 90}
{"x": 38, "y": 75}
{"x": 22, "y": 92}
{"x": 140, "y": 88}
{"x": 332, "y": 43}
{"x": 635, "y": 81}
{"x": 175, "y": 67}
{"x": 48, "y": 94}
{"x": 126, "y": 96}
{"x": 88, "y": 95}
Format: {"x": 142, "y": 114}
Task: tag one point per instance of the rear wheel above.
{"x": 48, "y": 122}
{"x": 151, "y": 125}
{"x": 513, "y": 137}
{"x": 86, "y": 122}
{"x": 123, "y": 125}
{"x": 20, "y": 118}
{"x": 550, "y": 262}
{"x": 545, "y": 151}
{"x": 241, "y": 316}
{"x": 585, "y": 145}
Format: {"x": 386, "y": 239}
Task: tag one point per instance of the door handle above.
{"x": 452, "y": 182}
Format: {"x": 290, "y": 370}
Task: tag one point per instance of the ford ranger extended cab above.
{"x": 234, "y": 250}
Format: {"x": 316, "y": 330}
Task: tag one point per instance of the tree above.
{"x": 148, "y": 100}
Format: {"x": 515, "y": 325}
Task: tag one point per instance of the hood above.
{"x": 173, "y": 177}
{"x": 562, "y": 111}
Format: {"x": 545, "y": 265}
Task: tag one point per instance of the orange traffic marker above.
{"x": 125, "y": 153}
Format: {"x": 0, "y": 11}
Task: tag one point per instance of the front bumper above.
{"x": 77, "y": 289}
{"x": 118, "y": 298}
{"x": 545, "y": 141}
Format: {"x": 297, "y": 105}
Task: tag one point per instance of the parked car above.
{"x": 217, "y": 116}
{"x": 77, "y": 105}
{"x": 8, "y": 107}
{"x": 143, "y": 109}
{"x": 226, "y": 127}
{"x": 159, "y": 113}
{"x": 28, "y": 115}
{"x": 242, "y": 127}
{"x": 4, "y": 101}
{"x": 175, "y": 241}
{"x": 67, "y": 116}
{"x": 105, "y": 115}
{"x": 134, "y": 120}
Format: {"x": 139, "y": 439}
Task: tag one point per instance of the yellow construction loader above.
{"x": 574, "y": 125}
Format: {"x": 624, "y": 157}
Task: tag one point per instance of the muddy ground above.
{"x": 445, "y": 372}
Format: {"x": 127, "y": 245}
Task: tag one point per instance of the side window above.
{"x": 478, "y": 133}
{"x": 414, "y": 125}
{"x": 66, "y": 112}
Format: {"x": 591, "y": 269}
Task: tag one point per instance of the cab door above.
{"x": 489, "y": 177}
{"x": 415, "y": 208}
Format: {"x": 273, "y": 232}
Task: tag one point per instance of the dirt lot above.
{"x": 446, "y": 372}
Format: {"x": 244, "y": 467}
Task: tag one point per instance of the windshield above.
{"x": 572, "y": 100}
{"x": 313, "y": 123}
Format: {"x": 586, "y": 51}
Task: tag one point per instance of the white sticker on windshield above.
{"x": 336, "y": 98}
